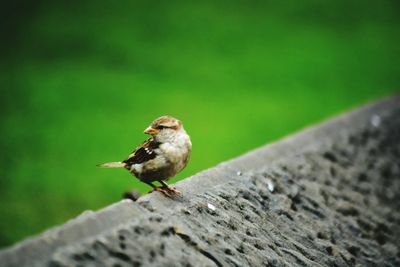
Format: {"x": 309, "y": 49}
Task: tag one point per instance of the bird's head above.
{"x": 164, "y": 127}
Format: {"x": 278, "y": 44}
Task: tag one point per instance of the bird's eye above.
{"x": 160, "y": 127}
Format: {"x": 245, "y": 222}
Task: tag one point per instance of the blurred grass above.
{"x": 80, "y": 82}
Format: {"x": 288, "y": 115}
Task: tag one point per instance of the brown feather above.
{"x": 143, "y": 153}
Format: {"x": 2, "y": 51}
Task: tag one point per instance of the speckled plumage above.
{"x": 160, "y": 157}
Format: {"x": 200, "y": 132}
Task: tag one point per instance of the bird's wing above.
{"x": 143, "y": 153}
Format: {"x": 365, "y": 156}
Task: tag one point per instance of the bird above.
{"x": 160, "y": 157}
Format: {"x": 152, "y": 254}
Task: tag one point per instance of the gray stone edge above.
{"x": 90, "y": 224}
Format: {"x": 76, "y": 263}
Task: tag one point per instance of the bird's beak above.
{"x": 150, "y": 130}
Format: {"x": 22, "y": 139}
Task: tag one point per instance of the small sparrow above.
{"x": 161, "y": 157}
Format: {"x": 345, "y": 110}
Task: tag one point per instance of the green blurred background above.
{"x": 80, "y": 82}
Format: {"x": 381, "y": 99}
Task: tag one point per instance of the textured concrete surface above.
{"x": 327, "y": 196}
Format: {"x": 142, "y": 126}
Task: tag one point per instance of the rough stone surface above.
{"x": 328, "y": 196}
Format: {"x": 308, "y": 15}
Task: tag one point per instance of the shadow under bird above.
{"x": 161, "y": 157}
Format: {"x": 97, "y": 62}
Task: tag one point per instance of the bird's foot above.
{"x": 174, "y": 190}
{"x": 163, "y": 190}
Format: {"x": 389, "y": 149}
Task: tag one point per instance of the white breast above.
{"x": 176, "y": 150}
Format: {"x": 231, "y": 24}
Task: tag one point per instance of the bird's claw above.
{"x": 166, "y": 191}
{"x": 174, "y": 190}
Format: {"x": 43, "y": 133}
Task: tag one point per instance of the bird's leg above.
{"x": 170, "y": 188}
{"x": 160, "y": 189}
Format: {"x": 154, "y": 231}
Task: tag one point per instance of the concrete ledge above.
{"x": 327, "y": 196}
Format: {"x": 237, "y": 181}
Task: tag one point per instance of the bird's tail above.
{"x": 112, "y": 165}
